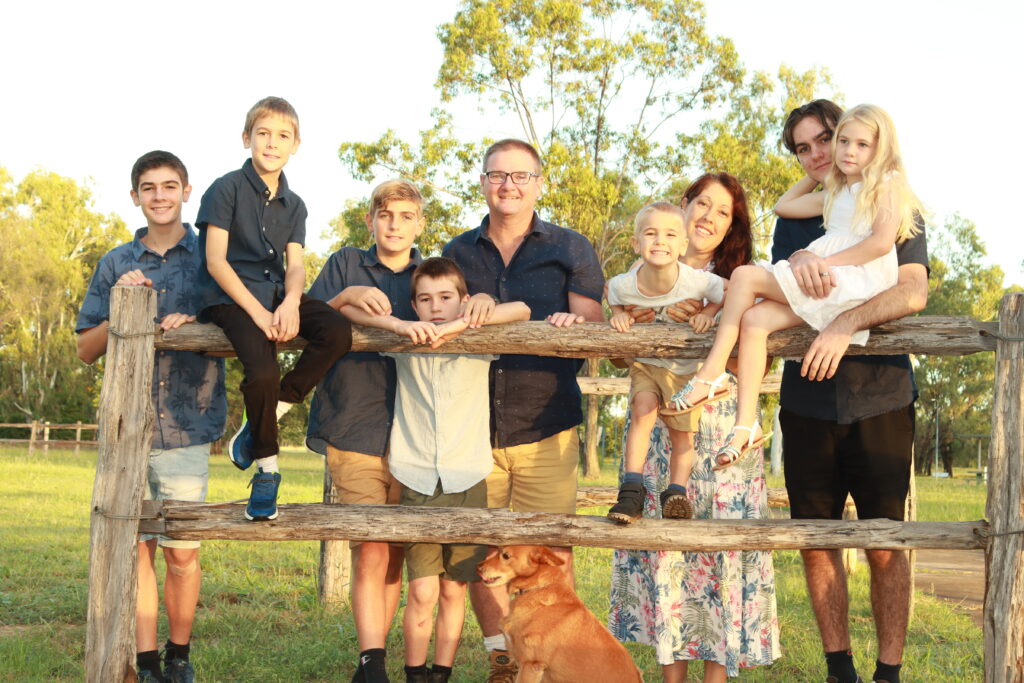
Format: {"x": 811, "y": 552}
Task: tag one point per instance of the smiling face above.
{"x": 160, "y": 194}
{"x": 437, "y": 300}
{"x": 509, "y": 200}
{"x": 813, "y": 143}
{"x": 272, "y": 140}
{"x": 855, "y": 149}
{"x": 659, "y": 238}
{"x": 708, "y": 217}
{"x": 395, "y": 227}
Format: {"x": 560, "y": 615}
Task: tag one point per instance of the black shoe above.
{"x": 675, "y": 505}
{"x": 630, "y": 505}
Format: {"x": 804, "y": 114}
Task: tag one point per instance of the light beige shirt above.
{"x": 442, "y": 427}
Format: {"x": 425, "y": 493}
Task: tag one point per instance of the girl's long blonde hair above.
{"x": 884, "y": 172}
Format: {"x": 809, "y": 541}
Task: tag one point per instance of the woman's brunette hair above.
{"x": 736, "y": 248}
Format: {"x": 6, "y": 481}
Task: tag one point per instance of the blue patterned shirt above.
{"x": 188, "y": 388}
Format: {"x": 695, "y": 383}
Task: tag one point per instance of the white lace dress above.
{"x": 853, "y": 284}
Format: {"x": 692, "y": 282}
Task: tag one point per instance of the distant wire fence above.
{"x": 40, "y": 435}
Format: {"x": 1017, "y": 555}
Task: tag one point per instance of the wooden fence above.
{"x": 125, "y": 418}
{"x": 39, "y": 433}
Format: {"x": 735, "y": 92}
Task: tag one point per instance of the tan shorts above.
{"x": 664, "y": 383}
{"x": 536, "y": 477}
{"x": 362, "y": 479}
{"x": 452, "y": 561}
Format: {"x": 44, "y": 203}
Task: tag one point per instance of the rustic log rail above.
{"x": 126, "y": 425}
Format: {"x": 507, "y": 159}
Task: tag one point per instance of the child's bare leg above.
{"x": 758, "y": 323}
{"x": 418, "y": 620}
{"x": 451, "y": 612}
{"x": 643, "y": 415}
{"x": 681, "y": 463}
{"x": 746, "y": 284}
{"x": 375, "y": 591}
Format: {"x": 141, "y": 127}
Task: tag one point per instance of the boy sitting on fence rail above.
{"x": 252, "y": 228}
{"x": 188, "y": 397}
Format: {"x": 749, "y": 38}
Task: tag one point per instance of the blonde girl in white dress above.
{"x": 868, "y": 207}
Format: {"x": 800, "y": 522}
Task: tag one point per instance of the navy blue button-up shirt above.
{"x": 863, "y": 386}
{"x": 354, "y": 405}
{"x": 188, "y": 388}
{"x": 532, "y": 397}
{"x": 259, "y": 230}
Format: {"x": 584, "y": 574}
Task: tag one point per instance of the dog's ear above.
{"x": 544, "y": 555}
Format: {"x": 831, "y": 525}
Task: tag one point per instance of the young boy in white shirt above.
{"x": 440, "y": 452}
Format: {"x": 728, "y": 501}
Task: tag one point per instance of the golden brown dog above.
{"x": 549, "y": 631}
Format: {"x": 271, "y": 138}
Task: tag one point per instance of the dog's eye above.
{"x": 506, "y": 556}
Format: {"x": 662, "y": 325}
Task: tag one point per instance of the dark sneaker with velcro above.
{"x": 630, "y": 505}
{"x": 178, "y": 671}
{"x": 262, "y": 503}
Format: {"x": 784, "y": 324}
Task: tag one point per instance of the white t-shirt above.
{"x": 690, "y": 284}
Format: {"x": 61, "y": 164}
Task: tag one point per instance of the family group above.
{"x": 500, "y": 431}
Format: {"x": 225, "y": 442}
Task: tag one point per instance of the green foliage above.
{"x": 958, "y": 388}
{"x": 50, "y": 243}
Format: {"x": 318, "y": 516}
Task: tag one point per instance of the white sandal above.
{"x": 732, "y": 452}
{"x": 678, "y": 405}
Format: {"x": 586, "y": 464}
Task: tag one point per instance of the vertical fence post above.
{"x": 591, "y": 465}
{"x": 335, "y": 559}
{"x": 46, "y": 437}
{"x": 32, "y": 436}
{"x": 78, "y": 436}
{"x": 125, "y": 435}
{"x": 1004, "y": 556}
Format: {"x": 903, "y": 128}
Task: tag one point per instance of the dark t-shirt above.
{"x": 532, "y": 397}
{"x": 354, "y": 404}
{"x": 259, "y": 230}
{"x": 863, "y": 386}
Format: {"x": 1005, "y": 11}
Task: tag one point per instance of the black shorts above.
{"x": 869, "y": 459}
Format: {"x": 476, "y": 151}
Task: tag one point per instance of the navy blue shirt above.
{"x": 259, "y": 230}
{"x": 532, "y": 397}
{"x": 188, "y": 388}
{"x": 354, "y": 404}
{"x": 863, "y": 386}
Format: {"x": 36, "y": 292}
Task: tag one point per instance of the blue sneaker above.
{"x": 240, "y": 447}
{"x": 262, "y": 503}
{"x": 178, "y": 671}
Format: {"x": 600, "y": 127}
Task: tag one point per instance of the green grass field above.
{"x": 259, "y": 619}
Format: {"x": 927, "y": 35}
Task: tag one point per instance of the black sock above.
{"x": 175, "y": 651}
{"x": 373, "y": 653}
{"x": 148, "y": 661}
{"x": 887, "y": 672}
{"x": 438, "y": 669}
{"x": 413, "y": 670}
{"x": 840, "y": 665}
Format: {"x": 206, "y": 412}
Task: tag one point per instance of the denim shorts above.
{"x": 177, "y": 474}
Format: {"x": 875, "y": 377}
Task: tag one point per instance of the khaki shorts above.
{"x": 664, "y": 383}
{"x": 361, "y": 479}
{"x": 536, "y": 477}
{"x": 452, "y": 561}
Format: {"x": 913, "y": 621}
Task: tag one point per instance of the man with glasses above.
{"x": 535, "y": 402}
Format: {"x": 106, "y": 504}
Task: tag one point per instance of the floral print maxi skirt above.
{"x": 718, "y": 606}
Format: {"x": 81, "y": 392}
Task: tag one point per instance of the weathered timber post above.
{"x": 1004, "y": 556}
{"x": 125, "y": 434}
{"x": 46, "y": 437}
{"x": 910, "y": 514}
{"x": 335, "y": 559}
{"x": 78, "y": 436}
{"x": 32, "y": 436}
{"x": 591, "y": 465}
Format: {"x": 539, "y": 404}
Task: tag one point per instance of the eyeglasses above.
{"x": 518, "y": 177}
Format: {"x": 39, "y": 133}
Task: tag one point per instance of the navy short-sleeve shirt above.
{"x": 188, "y": 388}
{"x": 532, "y": 397}
{"x": 863, "y": 386}
{"x": 259, "y": 230}
{"x": 354, "y": 405}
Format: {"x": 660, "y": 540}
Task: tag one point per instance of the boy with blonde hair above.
{"x": 352, "y": 427}
{"x": 660, "y": 280}
{"x": 252, "y": 229}
{"x": 440, "y": 452}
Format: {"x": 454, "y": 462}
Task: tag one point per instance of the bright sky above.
{"x": 91, "y": 86}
